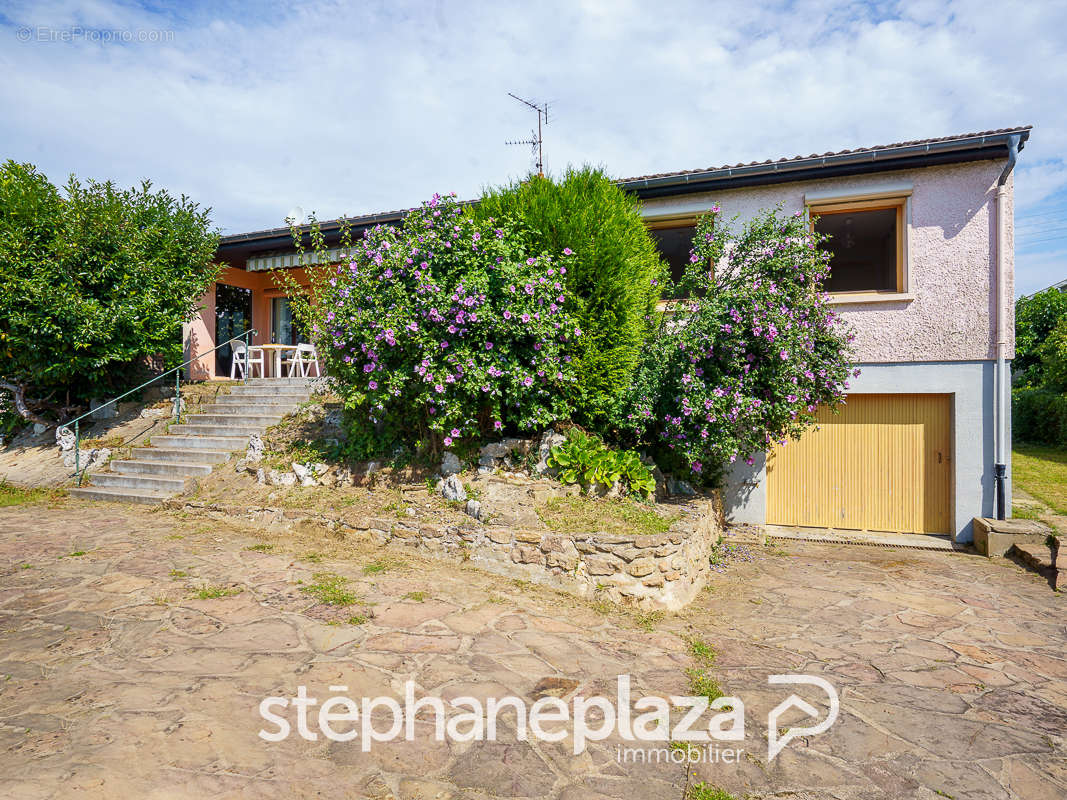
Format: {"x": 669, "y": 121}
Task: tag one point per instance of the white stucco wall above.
{"x": 950, "y": 247}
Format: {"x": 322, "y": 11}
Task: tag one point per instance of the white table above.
{"x": 276, "y": 351}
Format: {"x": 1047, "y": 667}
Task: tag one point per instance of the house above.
{"x": 922, "y": 268}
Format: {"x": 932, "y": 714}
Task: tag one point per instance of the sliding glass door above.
{"x": 283, "y": 328}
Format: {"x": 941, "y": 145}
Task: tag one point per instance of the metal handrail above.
{"x": 246, "y": 336}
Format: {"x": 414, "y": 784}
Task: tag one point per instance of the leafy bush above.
{"x": 748, "y": 357}
{"x": 445, "y": 327}
{"x": 584, "y": 459}
{"x": 93, "y": 281}
{"x": 614, "y": 274}
{"x": 1039, "y": 416}
{"x": 1035, "y": 319}
{"x": 1054, "y": 357}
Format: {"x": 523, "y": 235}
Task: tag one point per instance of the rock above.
{"x": 39, "y": 428}
{"x": 487, "y": 461}
{"x": 254, "y": 453}
{"x": 450, "y": 464}
{"x": 320, "y": 469}
{"x": 615, "y": 490}
{"x": 261, "y": 476}
{"x": 155, "y": 413}
{"x": 278, "y": 478}
{"x": 680, "y": 488}
{"x": 65, "y": 439}
{"x": 409, "y": 511}
{"x": 485, "y": 470}
{"x": 493, "y": 450}
{"x": 549, "y": 440}
{"x": 661, "y": 482}
{"x": 88, "y": 459}
{"x": 332, "y": 419}
{"x": 305, "y": 474}
{"x": 474, "y": 509}
{"x": 102, "y": 410}
{"x": 451, "y": 488}
{"x": 240, "y": 466}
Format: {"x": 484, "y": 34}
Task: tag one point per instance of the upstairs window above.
{"x": 674, "y": 239}
{"x": 866, "y": 245}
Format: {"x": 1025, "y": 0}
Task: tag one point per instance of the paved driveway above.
{"x": 117, "y": 681}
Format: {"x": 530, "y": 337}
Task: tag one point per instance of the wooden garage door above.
{"x": 882, "y": 463}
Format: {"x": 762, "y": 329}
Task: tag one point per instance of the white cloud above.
{"x": 352, "y": 109}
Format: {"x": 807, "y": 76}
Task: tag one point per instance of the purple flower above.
{"x": 497, "y": 425}
{"x": 455, "y": 431}
{"x": 372, "y": 385}
{"x": 567, "y": 251}
{"x": 439, "y": 388}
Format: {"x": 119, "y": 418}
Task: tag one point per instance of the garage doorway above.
{"x": 883, "y": 463}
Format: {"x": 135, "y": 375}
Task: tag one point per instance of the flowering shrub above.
{"x": 745, "y": 360}
{"x": 446, "y": 328}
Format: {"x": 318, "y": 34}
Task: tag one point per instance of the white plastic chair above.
{"x": 305, "y": 358}
{"x": 246, "y": 359}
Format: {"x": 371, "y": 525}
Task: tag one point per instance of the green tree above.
{"x": 1035, "y": 318}
{"x": 1054, "y": 358}
{"x": 93, "y": 281}
{"x": 614, "y": 274}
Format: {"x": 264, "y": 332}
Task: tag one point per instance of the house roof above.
{"x": 879, "y": 158}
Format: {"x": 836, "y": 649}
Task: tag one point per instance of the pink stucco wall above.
{"x": 950, "y": 248}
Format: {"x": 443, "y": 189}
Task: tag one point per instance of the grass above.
{"x": 1042, "y": 472}
{"x": 330, "y": 589}
{"x": 76, "y": 554}
{"x": 179, "y": 573}
{"x": 358, "y": 619}
{"x": 1024, "y": 512}
{"x": 383, "y": 564}
{"x": 701, "y": 684}
{"x": 262, "y": 547}
{"x": 584, "y": 514}
{"x": 215, "y": 592}
{"x": 110, "y": 442}
{"x": 703, "y": 652}
{"x": 705, "y": 791}
{"x": 647, "y": 622}
{"x": 418, "y": 597}
{"x": 16, "y": 496}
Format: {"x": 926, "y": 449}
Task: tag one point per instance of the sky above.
{"x": 258, "y": 109}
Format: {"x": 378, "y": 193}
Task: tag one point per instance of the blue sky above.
{"x": 349, "y": 108}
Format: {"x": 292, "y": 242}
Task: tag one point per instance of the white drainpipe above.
{"x": 1001, "y": 379}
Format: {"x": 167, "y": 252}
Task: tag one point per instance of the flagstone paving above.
{"x": 120, "y": 677}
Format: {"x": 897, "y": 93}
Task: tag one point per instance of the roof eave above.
{"x": 977, "y": 148}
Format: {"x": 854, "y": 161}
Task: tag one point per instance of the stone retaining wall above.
{"x": 664, "y": 571}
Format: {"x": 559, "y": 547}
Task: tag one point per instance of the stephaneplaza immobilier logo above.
{"x": 587, "y": 719}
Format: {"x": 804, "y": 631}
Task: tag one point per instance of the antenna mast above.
{"x": 535, "y": 140}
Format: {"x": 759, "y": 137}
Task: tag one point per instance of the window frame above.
{"x": 898, "y": 200}
{"x": 687, "y": 220}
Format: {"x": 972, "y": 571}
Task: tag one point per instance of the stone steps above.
{"x": 193, "y": 448}
{"x": 1040, "y": 558}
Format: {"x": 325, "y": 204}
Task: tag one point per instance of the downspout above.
{"x": 1001, "y": 379}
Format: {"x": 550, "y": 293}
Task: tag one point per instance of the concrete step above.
{"x": 291, "y": 400}
{"x": 134, "y": 480}
{"x": 227, "y": 443}
{"x": 170, "y": 468}
{"x": 257, "y": 419}
{"x": 216, "y": 430}
{"x": 265, "y": 389}
{"x": 231, "y": 410}
{"x": 166, "y": 454}
{"x": 120, "y": 495}
{"x": 303, "y": 382}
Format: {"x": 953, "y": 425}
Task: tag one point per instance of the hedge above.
{"x": 1039, "y": 416}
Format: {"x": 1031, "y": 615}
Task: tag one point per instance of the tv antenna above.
{"x": 535, "y": 140}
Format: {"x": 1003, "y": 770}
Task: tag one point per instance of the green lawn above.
{"x": 1041, "y": 471}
